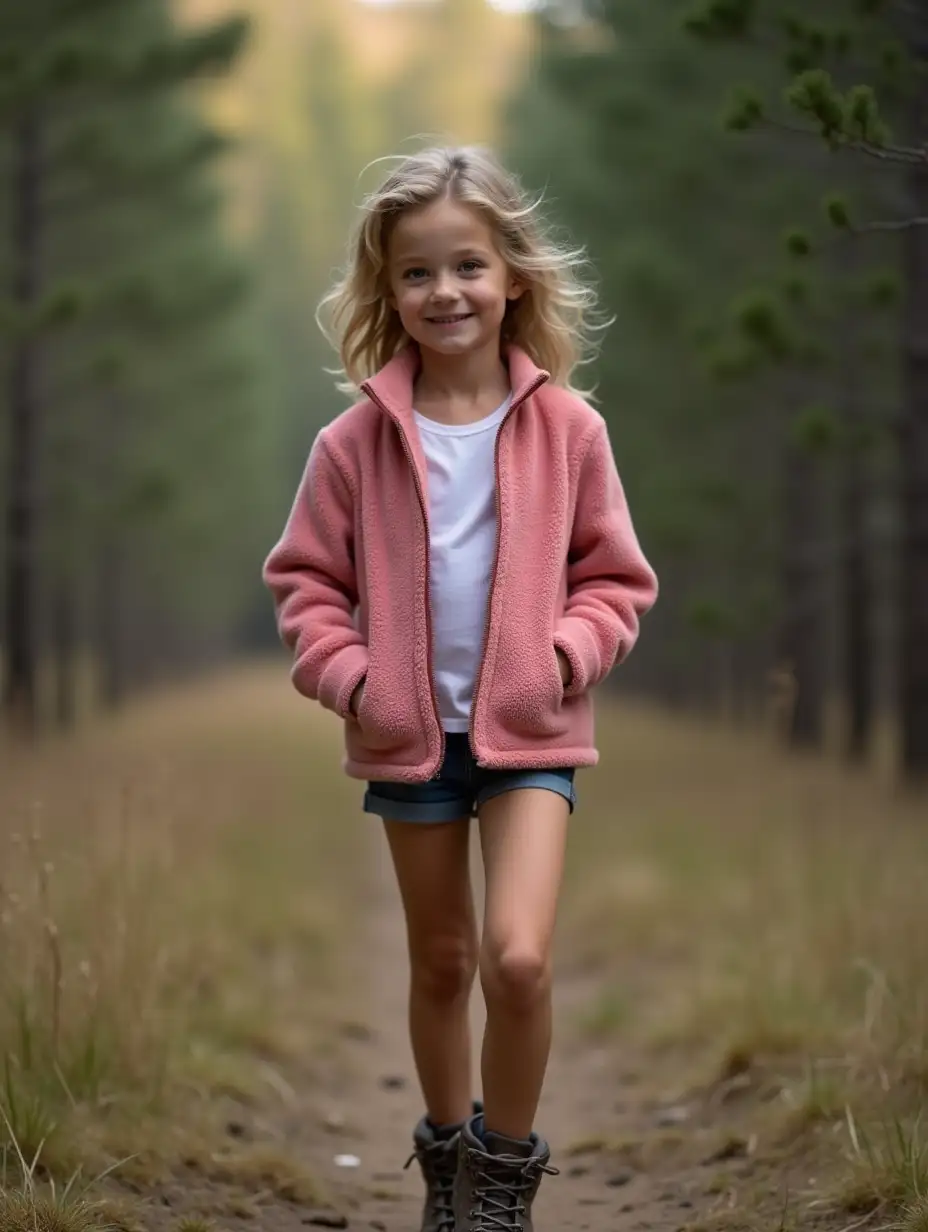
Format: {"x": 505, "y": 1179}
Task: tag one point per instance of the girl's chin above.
{"x": 452, "y": 340}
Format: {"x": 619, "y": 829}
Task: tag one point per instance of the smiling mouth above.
{"x": 451, "y": 320}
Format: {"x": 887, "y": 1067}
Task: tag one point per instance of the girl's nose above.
{"x": 444, "y": 287}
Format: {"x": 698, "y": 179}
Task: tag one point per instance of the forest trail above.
{"x": 587, "y": 1101}
{"x": 257, "y": 914}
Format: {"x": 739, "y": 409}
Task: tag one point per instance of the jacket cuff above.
{"x": 341, "y": 677}
{"x": 352, "y": 673}
{"x": 574, "y": 640}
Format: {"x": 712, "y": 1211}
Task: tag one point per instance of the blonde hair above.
{"x": 552, "y": 321}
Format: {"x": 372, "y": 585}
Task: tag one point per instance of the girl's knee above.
{"x": 515, "y": 976}
{"x": 443, "y": 967}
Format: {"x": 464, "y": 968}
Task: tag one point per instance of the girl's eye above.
{"x": 471, "y": 267}
{"x": 415, "y": 273}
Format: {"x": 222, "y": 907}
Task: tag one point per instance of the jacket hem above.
{"x": 539, "y": 759}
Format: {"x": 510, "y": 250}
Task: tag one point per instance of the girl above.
{"x": 458, "y": 571}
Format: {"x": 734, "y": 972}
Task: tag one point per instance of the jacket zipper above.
{"x": 536, "y": 384}
{"x": 428, "y": 598}
{"x": 486, "y": 624}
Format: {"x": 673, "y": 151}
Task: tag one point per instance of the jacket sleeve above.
{"x": 610, "y": 585}
{"x": 311, "y": 574}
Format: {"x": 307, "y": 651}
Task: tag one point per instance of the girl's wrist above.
{"x": 563, "y": 663}
{"x": 355, "y": 701}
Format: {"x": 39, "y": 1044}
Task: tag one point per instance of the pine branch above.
{"x": 904, "y": 155}
{"x": 171, "y": 61}
{"x": 892, "y": 224}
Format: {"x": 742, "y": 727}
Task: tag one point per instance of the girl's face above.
{"x": 448, "y": 282}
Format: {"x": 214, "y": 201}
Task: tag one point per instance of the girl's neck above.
{"x": 461, "y": 387}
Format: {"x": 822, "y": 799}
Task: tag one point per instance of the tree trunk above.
{"x": 110, "y": 634}
{"x": 746, "y": 682}
{"x": 802, "y": 633}
{"x": 858, "y": 649}
{"x": 913, "y": 666}
{"x": 65, "y": 652}
{"x": 20, "y": 651}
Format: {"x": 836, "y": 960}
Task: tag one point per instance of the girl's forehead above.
{"x": 441, "y": 225}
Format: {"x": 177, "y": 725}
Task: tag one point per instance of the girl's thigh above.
{"x": 433, "y": 873}
{"x": 523, "y": 834}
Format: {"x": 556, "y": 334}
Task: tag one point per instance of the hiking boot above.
{"x": 497, "y": 1180}
{"x": 438, "y": 1159}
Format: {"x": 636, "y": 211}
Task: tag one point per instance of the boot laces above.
{"x": 500, "y": 1185}
{"x": 438, "y": 1163}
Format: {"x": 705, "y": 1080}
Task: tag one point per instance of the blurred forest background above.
{"x": 178, "y": 181}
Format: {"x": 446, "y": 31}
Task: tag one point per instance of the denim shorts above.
{"x": 461, "y": 787}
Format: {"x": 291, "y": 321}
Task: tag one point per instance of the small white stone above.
{"x": 675, "y": 1115}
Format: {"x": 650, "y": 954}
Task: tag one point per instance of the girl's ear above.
{"x": 514, "y": 290}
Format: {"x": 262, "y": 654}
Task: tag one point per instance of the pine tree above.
{"x": 119, "y": 322}
{"x": 620, "y": 123}
{"x": 890, "y": 45}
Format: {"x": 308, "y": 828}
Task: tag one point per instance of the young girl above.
{"x": 458, "y": 571}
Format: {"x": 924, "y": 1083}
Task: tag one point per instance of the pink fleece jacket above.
{"x": 350, "y": 579}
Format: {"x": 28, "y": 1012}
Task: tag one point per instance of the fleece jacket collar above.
{"x": 392, "y": 388}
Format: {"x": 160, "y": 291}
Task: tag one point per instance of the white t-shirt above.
{"x": 462, "y": 518}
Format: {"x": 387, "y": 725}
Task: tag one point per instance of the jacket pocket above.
{"x": 375, "y": 725}
{"x": 525, "y": 696}
{"x": 557, "y": 684}
{"x": 388, "y": 724}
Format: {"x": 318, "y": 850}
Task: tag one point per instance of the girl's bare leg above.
{"x": 432, "y": 869}
{"x": 523, "y": 834}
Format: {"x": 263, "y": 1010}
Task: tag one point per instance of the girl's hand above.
{"x": 564, "y": 667}
{"x": 356, "y": 698}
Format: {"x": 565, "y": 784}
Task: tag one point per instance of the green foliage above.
{"x": 157, "y": 434}
{"x": 745, "y": 110}
{"x": 816, "y": 429}
{"x": 721, "y": 332}
{"x": 862, "y": 119}
{"x": 761, "y": 318}
{"x": 842, "y": 117}
{"x": 60, "y": 308}
{"x": 813, "y": 93}
{"x": 883, "y": 288}
{"x": 713, "y": 19}
{"x": 175, "y": 59}
{"x": 837, "y": 211}
{"x": 676, "y": 214}
{"x": 827, "y": 333}
{"x": 798, "y": 243}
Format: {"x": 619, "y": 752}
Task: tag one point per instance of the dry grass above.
{"x": 762, "y": 916}
{"x": 263, "y": 1170}
{"x": 31, "y": 1204}
{"x": 172, "y": 907}
{"x": 176, "y": 894}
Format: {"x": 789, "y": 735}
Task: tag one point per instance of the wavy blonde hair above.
{"x": 552, "y": 321}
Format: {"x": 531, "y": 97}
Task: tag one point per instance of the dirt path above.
{"x": 683, "y": 1121}
{"x": 628, "y": 1159}
{"x": 583, "y": 1102}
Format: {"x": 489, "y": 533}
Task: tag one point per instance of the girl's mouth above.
{"x": 456, "y": 319}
